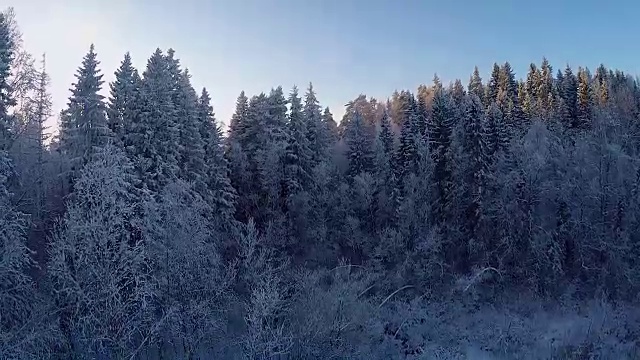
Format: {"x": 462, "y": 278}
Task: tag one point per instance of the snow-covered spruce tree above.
{"x": 222, "y": 194}
{"x": 387, "y": 186}
{"x": 98, "y": 266}
{"x": 298, "y": 167}
{"x": 497, "y": 132}
{"x": 475, "y": 86}
{"x": 530, "y": 102}
{"x": 584, "y": 100}
{"x": 238, "y": 123}
{"x": 192, "y": 280}
{"x": 359, "y": 145}
{"x": 457, "y": 91}
{"x": 475, "y": 167}
{"x": 440, "y": 144}
{"x": 317, "y": 134}
{"x": 190, "y": 145}
{"x": 298, "y": 155}
{"x": 236, "y": 157}
{"x": 125, "y": 118}
{"x": 544, "y": 91}
{"x": 157, "y": 150}
{"x": 508, "y": 100}
{"x": 493, "y": 87}
{"x": 569, "y": 94}
{"x": 330, "y": 125}
{"x": 410, "y": 133}
{"x": 265, "y": 146}
{"x": 254, "y": 135}
{"x": 83, "y": 124}
{"x": 123, "y": 108}
{"x": 276, "y": 120}
{"x": 422, "y": 117}
{"x": 192, "y": 161}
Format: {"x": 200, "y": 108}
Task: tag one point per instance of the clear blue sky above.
{"x": 345, "y": 47}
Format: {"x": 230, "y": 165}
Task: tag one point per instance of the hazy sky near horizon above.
{"x": 345, "y": 47}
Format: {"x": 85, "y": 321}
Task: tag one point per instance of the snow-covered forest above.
{"x": 496, "y": 217}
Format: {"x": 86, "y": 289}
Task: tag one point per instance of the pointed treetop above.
{"x": 437, "y": 84}
{"x": 295, "y": 113}
{"x": 475, "y": 84}
{"x": 204, "y": 94}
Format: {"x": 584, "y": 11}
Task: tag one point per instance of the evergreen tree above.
{"x": 192, "y": 161}
{"x": 387, "y": 187}
{"x": 237, "y": 125}
{"x": 508, "y": 88}
{"x": 559, "y": 80}
{"x": 237, "y": 158}
{"x": 316, "y": 132}
{"x": 6, "y": 96}
{"x": 584, "y": 101}
{"x": 440, "y": 143}
{"x": 410, "y": 133}
{"x": 222, "y": 194}
{"x": 497, "y": 132}
{"x": 545, "y": 86}
{"x": 256, "y": 135}
{"x": 422, "y": 118}
{"x": 124, "y": 101}
{"x": 569, "y": 93}
{"x": 475, "y": 86}
{"x": 475, "y": 167}
{"x": 330, "y": 125}
{"x": 493, "y": 87}
{"x": 523, "y": 98}
{"x": 298, "y": 155}
{"x": 602, "y": 86}
{"x": 83, "y": 126}
{"x": 190, "y": 146}
{"x": 508, "y": 101}
{"x": 532, "y": 84}
{"x": 386, "y": 136}
{"x": 359, "y": 145}
{"x": 276, "y": 121}
{"x": 264, "y": 145}
{"x": 457, "y": 92}
{"x": 158, "y": 147}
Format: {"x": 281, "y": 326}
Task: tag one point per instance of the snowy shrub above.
{"x": 266, "y": 306}
{"x": 331, "y": 314}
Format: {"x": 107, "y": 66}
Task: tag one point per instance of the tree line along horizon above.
{"x": 536, "y": 179}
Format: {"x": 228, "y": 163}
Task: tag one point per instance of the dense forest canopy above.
{"x": 141, "y": 229}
